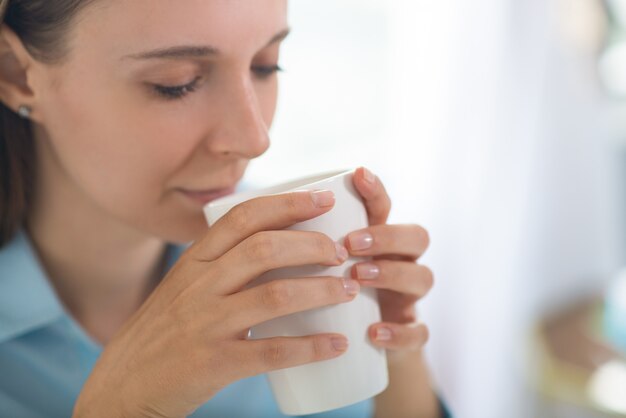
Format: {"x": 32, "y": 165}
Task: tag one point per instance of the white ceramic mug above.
{"x": 359, "y": 373}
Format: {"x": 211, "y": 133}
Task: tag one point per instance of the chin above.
{"x": 183, "y": 230}
{"x": 193, "y": 231}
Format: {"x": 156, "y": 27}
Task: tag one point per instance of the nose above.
{"x": 241, "y": 129}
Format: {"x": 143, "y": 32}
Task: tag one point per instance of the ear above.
{"x": 15, "y": 63}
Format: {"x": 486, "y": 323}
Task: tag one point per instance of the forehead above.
{"x": 123, "y": 26}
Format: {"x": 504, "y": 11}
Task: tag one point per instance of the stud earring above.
{"x": 24, "y": 111}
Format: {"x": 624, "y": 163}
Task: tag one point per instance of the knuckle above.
{"x": 423, "y": 235}
{"x": 333, "y": 288}
{"x": 387, "y": 205}
{"x": 262, "y": 247}
{"x": 428, "y": 277}
{"x": 222, "y": 319}
{"x": 277, "y": 294}
{"x": 415, "y": 336}
{"x": 293, "y": 202}
{"x": 324, "y": 246}
{"x": 318, "y": 348}
{"x": 238, "y": 218}
{"x": 409, "y": 314}
{"x": 424, "y": 335}
{"x": 275, "y": 354}
{"x": 386, "y": 200}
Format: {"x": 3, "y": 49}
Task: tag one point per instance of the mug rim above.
{"x": 289, "y": 186}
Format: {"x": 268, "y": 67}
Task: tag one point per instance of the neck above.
{"x": 101, "y": 269}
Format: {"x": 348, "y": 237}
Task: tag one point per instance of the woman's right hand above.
{"x": 189, "y": 339}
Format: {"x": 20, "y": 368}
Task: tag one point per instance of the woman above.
{"x": 120, "y": 120}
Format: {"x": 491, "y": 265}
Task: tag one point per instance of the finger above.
{"x": 258, "y": 214}
{"x": 398, "y": 308}
{"x": 401, "y": 276}
{"x": 406, "y": 240}
{"x": 268, "y": 250}
{"x": 392, "y": 336}
{"x": 375, "y": 196}
{"x": 254, "y": 357}
{"x": 285, "y": 296}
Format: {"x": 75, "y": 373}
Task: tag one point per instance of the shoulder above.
{"x": 27, "y": 300}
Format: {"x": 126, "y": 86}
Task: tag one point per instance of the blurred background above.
{"x": 500, "y": 126}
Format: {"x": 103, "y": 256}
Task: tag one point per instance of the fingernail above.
{"x": 383, "y": 334}
{"x": 368, "y": 176}
{"x": 360, "y": 241}
{"x": 339, "y": 343}
{"x": 342, "y": 252}
{"x": 323, "y": 198}
{"x": 367, "y": 271}
{"x": 351, "y": 286}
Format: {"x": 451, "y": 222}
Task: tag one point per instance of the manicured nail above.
{"x": 339, "y": 343}
{"x": 368, "y": 176}
{"x": 367, "y": 271}
{"x": 342, "y": 252}
{"x": 360, "y": 241}
{"x": 383, "y": 334}
{"x": 323, "y": 198}
{"x": 351, "y": 286}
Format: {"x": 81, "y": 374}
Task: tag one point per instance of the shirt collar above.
{"x": 174, "y": 251}
{"x": 27, "y": 299}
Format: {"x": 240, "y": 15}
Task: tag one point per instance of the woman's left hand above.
{"x": 394, "y": 270}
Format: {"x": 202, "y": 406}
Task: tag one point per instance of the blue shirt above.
{"x": 45, "y": 355}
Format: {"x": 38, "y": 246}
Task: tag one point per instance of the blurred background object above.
{"x": 499, "y": 125}
{"x": 612, "y": 60}
{"x": 613, "y": 57}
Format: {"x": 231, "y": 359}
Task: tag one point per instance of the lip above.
{"x": 203, "y": 197}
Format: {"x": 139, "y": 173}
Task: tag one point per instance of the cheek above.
{"x": 118, "y": 153}
{"x": 267, "y": 95}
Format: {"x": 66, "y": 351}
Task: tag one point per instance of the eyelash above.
{"x": 264, "y": 72}
{"x": 178, "y": 92}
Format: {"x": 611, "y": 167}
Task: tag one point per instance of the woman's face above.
{"x": 158, "y": 102}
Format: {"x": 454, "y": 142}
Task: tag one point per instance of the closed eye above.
{"x": 263, "y": 71}
{"x": 176, "y": 92}
{"x": 180, "y": 91}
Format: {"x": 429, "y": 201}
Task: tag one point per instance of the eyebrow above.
{"x": 193, "y": 51}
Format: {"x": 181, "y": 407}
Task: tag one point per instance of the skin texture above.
{"x": 126, "y": 150}
{"x": 113, "y": 156}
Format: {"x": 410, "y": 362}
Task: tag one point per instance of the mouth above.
{"x": 202, "y": 197}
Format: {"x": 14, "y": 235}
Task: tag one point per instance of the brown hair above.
{"x": 43, "y": 27}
